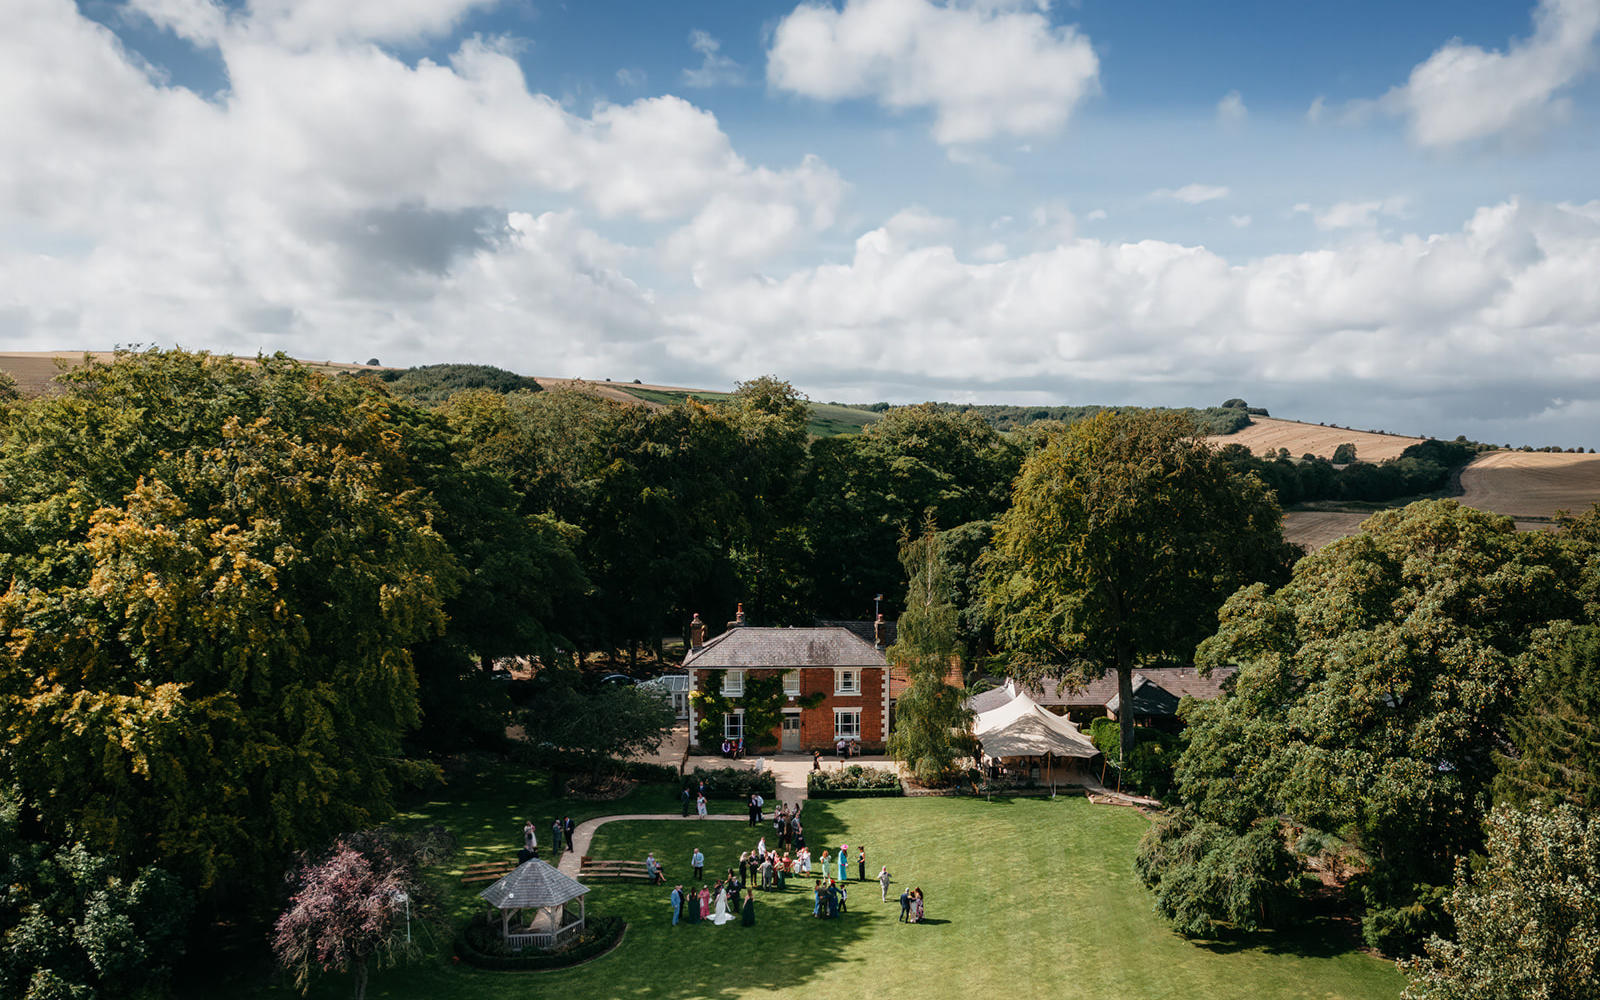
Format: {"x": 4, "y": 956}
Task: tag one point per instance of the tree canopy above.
{"x": 1125, "y": 534}
{"x": 932, "y": 721}
{"x": 1373, "y": 689}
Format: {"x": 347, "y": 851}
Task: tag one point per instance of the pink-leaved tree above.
{"x": 354, "y": 906}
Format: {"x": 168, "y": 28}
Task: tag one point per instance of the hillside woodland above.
{"x": 248, "y": 607}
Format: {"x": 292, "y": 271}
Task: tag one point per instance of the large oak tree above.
{"x": 1125, "y": 535}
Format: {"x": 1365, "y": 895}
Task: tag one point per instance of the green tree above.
{"x": 572, "y": 725}
{"x": 216, "y": 570}
{"x": 1344, "y": 454}
{"x": 1373, "y": 691}
{"x": 1555, "y": 754}
{"x": 1204, "y": 875}
{"x": 932, "y": 723}
{"x": 1125, "y": 534}
{"x": 1527, "y": 919}
{"x": 8, "y": 388}
{"x": 73, "y": 925}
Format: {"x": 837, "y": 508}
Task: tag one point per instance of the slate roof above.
{"x": 747, "y": 647}
{"x": 993, "y": 698}
{"x": 1149, "y": 698}
{"x": 1176, "y": 681}
{"x": 863, "y": 629}
{"x": 531, "y": 885}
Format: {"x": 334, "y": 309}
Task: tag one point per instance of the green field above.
{"x": 1025, "y": 898}
{"x": 827, "y": 419}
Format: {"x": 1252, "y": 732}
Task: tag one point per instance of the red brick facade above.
{"x": 817, "y": 724}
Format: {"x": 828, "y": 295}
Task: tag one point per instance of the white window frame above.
{"x": 733, "y": 683}
{"x": 839, "y": 674}
{"x": 839, "y": 732}
{"x": 791, "y": 683}
{"x": 729, "y": 731}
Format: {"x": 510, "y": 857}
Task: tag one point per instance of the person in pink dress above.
{"x": 705, "y": 903}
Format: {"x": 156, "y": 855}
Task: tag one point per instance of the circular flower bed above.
{"x": 479, "y": 945}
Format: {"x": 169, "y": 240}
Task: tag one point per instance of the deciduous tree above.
{"x": 932, "y": 723}
{"x": 1125, "y": 534}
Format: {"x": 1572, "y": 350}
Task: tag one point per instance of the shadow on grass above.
{"x": 1316, "y": 936}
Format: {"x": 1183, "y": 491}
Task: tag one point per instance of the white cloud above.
{"x": 297, "y": 23}
{"x": 1463, "y": 93}
{"x": 1355, "y": 214}
{"x": 715, "y": 69}
{"x": 1422, "y": 314}
{"x": 631, "y": 78}
{"x": 1239, "y": 221}
{"x": 1315, "y": 111}
{"x": 984, "y": 69}
{"x": 1231, "y": 112}
{"x": 1192, "y": 194}
{"x": 1096, "y": 214}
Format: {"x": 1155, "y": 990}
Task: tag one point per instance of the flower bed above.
{"x": 479, "y": 945}
{"x": 854, "y": 781}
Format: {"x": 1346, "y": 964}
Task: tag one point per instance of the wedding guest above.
{"x": 747, "y": 916}
{"x": 697, "y": 861}
{"x": 861, "y": 864}
{"x": 677, "y": 903}
{"x": 883, "y": 880}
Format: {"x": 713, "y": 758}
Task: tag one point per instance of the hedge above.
{"x": 733, "y": 782}
{"x": 607, "y": 931}
{"x": 854, "y": 781}
{"x": 857, "y": 793}
{"x": 643, "y": 770}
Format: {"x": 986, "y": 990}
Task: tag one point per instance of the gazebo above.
{"x": 1022, "y": 730}
{"x": 535, "y": 885}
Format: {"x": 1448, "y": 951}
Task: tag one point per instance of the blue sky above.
{"x": 1367, "y": 213}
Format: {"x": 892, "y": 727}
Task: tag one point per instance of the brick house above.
{"x": 849, "y": 672}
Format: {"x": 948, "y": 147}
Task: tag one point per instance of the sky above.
{"x": 1366, "y": 213}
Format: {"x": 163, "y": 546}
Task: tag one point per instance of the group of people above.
{"x": 710, "y": 903}
{"x": 561, "y": 831}
{"x": 910, "y": 904}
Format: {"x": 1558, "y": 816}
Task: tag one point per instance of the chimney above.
{"x": 877, "y": 631}
{"x": 738, "y": 617}
{"x": 697, "y": 632}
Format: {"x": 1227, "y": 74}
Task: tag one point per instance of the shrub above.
{"x": 643, "y": 770}
{"x": 854, "y": 781}
{"x": 479, "y": 945}
{"x": 733, "y": 782}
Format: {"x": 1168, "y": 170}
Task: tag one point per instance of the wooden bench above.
{"x": 591, "y": 868}
{"x": 487, "y": 871}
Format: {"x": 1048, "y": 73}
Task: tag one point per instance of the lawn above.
{"x": 1025, "y": 897}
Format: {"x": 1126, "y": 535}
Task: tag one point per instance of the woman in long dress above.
{"x": 747, "y": 915}
{"x": 719, "y": 913}
{"x": 916, "y": 905}
{"x": 844, "y": 862}
{"x": 705, "y": 903}
{"x": 700, "y": 804}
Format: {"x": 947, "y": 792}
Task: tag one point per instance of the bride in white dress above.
{"x": 719, "y": 912}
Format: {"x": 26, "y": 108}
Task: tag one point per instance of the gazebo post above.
{"x": 505, "y": 926}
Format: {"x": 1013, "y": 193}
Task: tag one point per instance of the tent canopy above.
{"x": 1020, "y": 728}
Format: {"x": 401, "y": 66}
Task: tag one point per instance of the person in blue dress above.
{"x": 844, "y": 862}
{"x": 816, "y": 892}
{"x": 832, "y": 894}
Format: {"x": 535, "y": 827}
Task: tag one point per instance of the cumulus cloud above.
{"x": 1416, "y": 314}
{"x": 271, "y": 215}
{"x": 1191, "y": 194}
{"x": 1239, "y": 221}
{"x": 983, "y": 68}
{"x": 1231, "y": 112}
{"x": 1464, "y": 93}
{"x": 297, "y": 23}
{"x": 1354, "y": 214}
{"x": 715, "y": 69}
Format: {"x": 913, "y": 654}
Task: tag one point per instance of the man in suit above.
{"x": 905, "y": 906}
{"x": 687, "y": 800}
{"x": 652, "y": 869}
{"x": 754, "y": 812}
{"x": 677, "y": 903}
{"x": 697, "y": 861}
{"x": 557, "y": 828}
{"x": 567, "y": 826}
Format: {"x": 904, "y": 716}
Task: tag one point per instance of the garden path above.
{"x": 571, "y": 861}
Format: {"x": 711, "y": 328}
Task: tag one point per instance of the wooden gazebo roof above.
{"x": 533, "y": 885}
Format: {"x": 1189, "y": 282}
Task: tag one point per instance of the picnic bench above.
{"x": 593, "y": 868}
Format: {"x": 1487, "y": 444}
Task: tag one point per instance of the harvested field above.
{"x": 1316, "y": 528}
{"x": 1531, "y": 484}
{"x": 1299, "y": 438}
